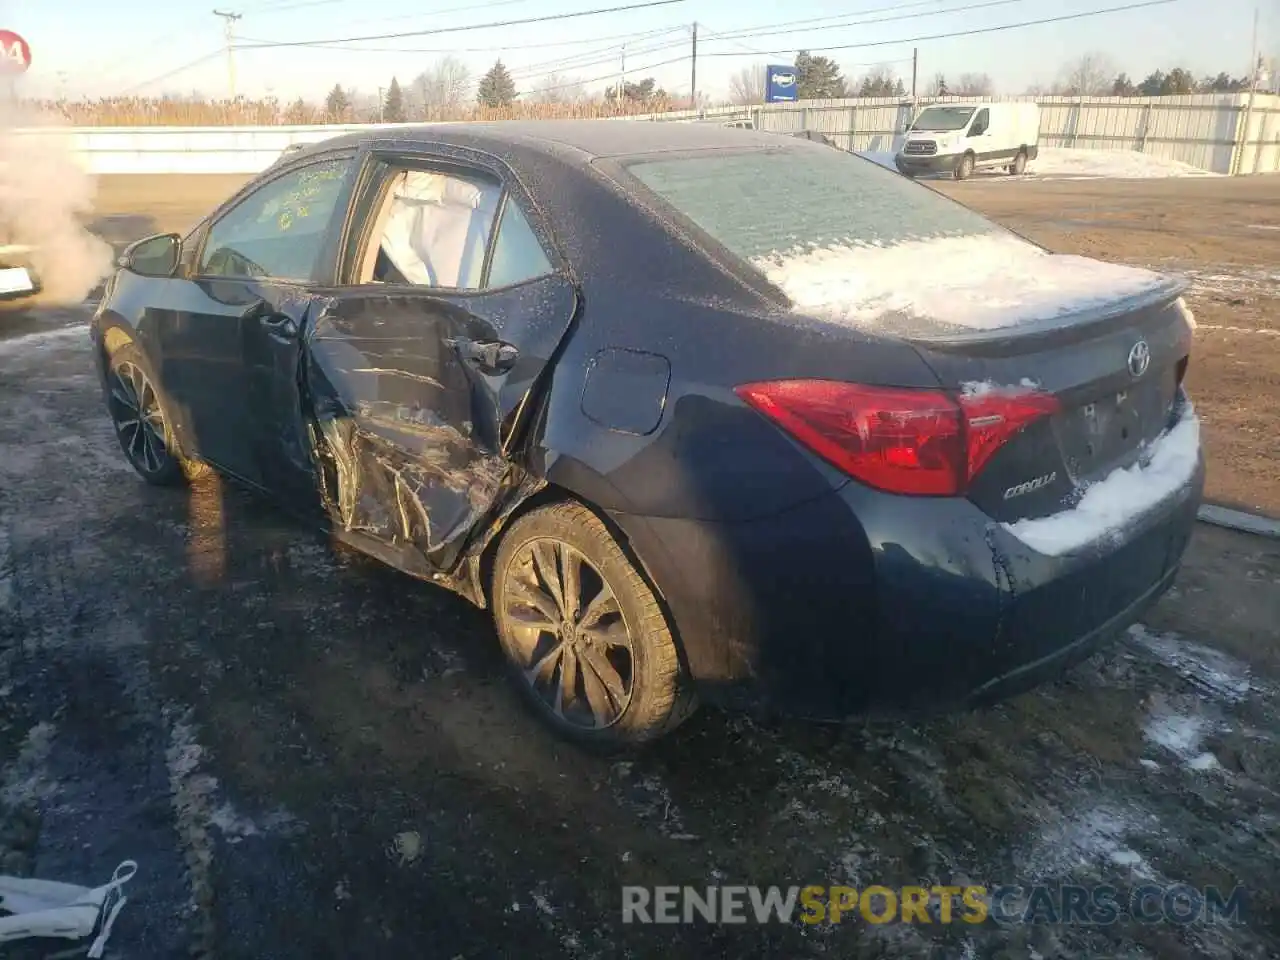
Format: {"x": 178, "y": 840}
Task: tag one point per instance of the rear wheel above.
{"x": 1019, "y": 165}
{"x": 964, "y": 167}
{"x": 586, "y": 641}
{"x": 142, "y": 424}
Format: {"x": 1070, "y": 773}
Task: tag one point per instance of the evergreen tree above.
{"x": 818, "y": 78}
{"x": 337, "y": 105}
{"x": 393, "y": 104}
{"x": 496, "y": 88}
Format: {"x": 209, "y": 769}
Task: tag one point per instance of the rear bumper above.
{"x": 861, "y": 601}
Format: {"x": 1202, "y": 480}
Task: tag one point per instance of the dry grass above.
{"x": 145, "y": 111}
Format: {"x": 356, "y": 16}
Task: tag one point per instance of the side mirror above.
{"x": 156, "y": 256}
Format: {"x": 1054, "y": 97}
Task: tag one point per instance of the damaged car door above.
{"x": 238, "y": 335}
{"x": 419, "y": 366}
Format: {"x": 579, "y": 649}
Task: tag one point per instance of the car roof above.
{"x": 583, "y": 140}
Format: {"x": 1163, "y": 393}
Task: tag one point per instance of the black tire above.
{"x": 906, "y": 171}
{"x": 626, "y": 685}
{"x": 1019, "y": 165}
{"x": 964, "y": 167}
{"x": 137, "y": 407}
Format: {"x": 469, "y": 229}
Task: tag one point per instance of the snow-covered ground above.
{"x": 1066, "y": 163}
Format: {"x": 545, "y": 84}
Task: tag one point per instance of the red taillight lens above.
{"x": 920, "y": 442}
{"x": 992, "y": 418}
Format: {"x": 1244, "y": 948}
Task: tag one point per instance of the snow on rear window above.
{"x": 977, "y": 282}
{"x": 800, "y": 198}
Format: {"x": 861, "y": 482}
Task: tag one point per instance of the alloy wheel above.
{"x": 138, "y": 418}
{"x": 568, "y": 634}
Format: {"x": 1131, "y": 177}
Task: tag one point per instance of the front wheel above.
{"x": 964, "y": 168}
{"x": 586, "y": 641}
{"x": 141, "y": 422}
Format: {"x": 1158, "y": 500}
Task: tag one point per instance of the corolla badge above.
{"x": 784, "y": 79}
{"x": 1139, "y": 358}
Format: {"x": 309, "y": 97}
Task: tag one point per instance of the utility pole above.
{"x": 622, "y": 76}
{"x": 693, "y": 71}
{"x": 915, "y": 63}
{"x": 381, "y": 101}
{"x": 1248, "y": 109}
{"x": 229, "y": 19}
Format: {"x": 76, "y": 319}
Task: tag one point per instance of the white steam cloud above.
{"x": 45, "y": 194}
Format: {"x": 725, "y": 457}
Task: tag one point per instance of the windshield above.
{"x": 778, "y": 200}
{"x": 943, "y": 118}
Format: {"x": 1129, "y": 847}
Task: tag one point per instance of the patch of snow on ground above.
{"x": 1112, "y": 503}
{"x": 1075, "y": 163}
{"x": 1176, "y": 732}
{"x": 1072, "y": 162}
{"x": 1085, "y": 839}
{"x": 1205, "y": 761}
{"x": 1209, "y": 671}
{"x": 982, "y": 282}
{"x": 882, "y": 157}
{"x": 43, "y": 339}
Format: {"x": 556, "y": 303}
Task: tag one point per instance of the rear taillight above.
{"x": 923, "y": 442}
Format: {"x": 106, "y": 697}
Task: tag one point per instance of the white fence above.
{"x": 1224, "y": 133}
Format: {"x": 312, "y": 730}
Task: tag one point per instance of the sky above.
{"x": 149, "y": 47}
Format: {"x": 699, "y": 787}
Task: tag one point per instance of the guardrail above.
{"x": 1223, "y": 133}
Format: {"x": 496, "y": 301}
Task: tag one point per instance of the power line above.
{"x": 580, "y": 62}
{"x": 724, "y": 35}
{"x": 762, "y": 29}
{"x": 273, "y": 6}
{"x": 173, "y": 73}
{"x": 862, "y": 22}
{"x": 478, "y": 26}
{"x": 255, "y": 42}
{"x": 959, "y": 33}
{"x": 611, "y": 76}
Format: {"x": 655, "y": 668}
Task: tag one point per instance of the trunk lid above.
{"x": 1115, "y": 371}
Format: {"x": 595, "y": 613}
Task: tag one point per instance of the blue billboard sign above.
{"x": 781, "y": 83}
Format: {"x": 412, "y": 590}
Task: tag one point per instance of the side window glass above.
{"x": 278, "y": 230}
{"x": 517, "y": 254}
{"x": 434, "y": 230}
{"x": 980, "y": 123}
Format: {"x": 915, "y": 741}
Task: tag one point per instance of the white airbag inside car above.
{"x": 438, "y": 228}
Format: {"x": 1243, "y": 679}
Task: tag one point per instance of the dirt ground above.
{"x": 310, "y": 756}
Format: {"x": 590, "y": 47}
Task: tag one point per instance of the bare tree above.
{"x": 443, "y": 87}
{"x": 938, "y": 86}
{"x": 974, "y": 85}
{"x": 747, "y": 86}
{"x": 1090, "y": 75}
{"x": 557, "y": 88}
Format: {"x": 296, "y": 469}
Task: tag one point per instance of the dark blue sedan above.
{"x": 698, "y": 413}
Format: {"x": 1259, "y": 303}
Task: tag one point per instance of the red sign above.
{"x": 15, "y": 53}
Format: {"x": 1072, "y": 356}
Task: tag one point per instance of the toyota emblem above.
{"x": 1139, "y": 358}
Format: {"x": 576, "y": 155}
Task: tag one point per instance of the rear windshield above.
{"x": 777, "y": 201}
{"x": 943, "y": 118}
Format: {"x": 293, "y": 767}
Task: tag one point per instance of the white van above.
{"x": 958, "y": 138}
